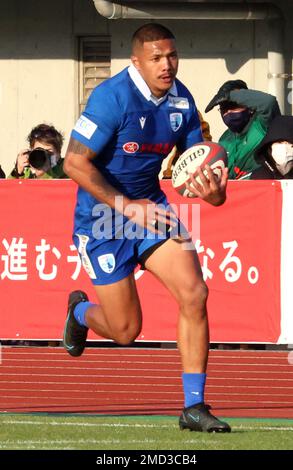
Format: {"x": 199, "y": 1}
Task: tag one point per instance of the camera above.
{"x": 40, "y": 159}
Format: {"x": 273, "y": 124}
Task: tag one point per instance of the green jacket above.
{"x": 241, "y": 146}
{"x": 54, "y": 173}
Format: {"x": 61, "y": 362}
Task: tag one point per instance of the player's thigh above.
{"x": 177, "y": 265}
{"x": 120, "y": 302}
{"x": 110, "y": 264}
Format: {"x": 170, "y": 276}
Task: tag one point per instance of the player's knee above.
{"x": 194, "y": 297}
{"x": 126, "y": 334}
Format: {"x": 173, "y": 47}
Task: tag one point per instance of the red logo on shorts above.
{"x": 131, "y": 147}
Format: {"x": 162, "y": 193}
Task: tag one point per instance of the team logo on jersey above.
{"x": 107, "y": 262}
{"x": 178, "y": 102}
{"x": 176, "y": 120}
{"x": 142, "y": 121}
{"x": 131, "y": 147}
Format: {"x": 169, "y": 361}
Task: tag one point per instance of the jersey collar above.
{"x": 144, "y": 89}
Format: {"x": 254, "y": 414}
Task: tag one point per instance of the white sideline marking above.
{"x": 105, "y": 425}
{"x": 136, "y": 425}
{"x": 69, "y": 444}
{"x": 263, "y": 428}
{"x": 71, "y": 441}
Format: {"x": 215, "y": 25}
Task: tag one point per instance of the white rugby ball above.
{"x": 199, "y": 155}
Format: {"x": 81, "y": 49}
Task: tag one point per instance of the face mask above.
{"x": 282, "y": 153}
{"x": 237, "y": 121}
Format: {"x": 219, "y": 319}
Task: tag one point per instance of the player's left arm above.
{"x": 211, "y": 189}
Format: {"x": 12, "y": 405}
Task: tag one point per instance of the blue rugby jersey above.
{"x": 132, "y": 135}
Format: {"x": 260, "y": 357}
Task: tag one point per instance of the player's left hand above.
{"x": 211, "y": 189}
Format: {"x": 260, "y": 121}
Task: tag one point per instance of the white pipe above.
{"x": 276, "y": 63}
{"x": 213, "y": 11}
{"x": 187, "y": 10}
{"x": 108, "y": 9}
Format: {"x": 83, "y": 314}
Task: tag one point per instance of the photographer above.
{"x": 43, "y": 159}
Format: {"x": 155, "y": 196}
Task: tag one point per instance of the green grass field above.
{"x": 139, "y": 432}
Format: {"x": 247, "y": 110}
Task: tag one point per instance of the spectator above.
{"x": 43, "y": 159}
{"x": 2, "y": 174}
{"x": 247, "y": 114}
{"x": 275, "y": 152}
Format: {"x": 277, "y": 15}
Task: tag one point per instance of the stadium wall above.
{"x": 244, "y": 246}
{"x": 39, "y": 61}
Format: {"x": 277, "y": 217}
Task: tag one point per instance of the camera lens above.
{"x": 38, "y": 158}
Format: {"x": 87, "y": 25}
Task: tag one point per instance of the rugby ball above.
{"x": 199, "y": 155}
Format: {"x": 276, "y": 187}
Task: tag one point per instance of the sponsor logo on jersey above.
{"x": 86, "y": 262}
{"x": 131, "y": 147}
{"x": 176, "y": 120}
{"x": 107, "y": 262}
{"x": 142, "y": 121}
{"x": 162, "y": 148}
{"x": 85, "y": 127}
{"x": 178, "y": 102}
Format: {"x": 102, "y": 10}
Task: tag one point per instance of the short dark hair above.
{"x": 47, "y": 135}
{"x": 150, "y": 32}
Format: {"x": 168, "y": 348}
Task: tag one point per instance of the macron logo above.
{"x": 142, "y": 121}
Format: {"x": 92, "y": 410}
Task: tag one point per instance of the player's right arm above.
{"x": 79, "y": 167}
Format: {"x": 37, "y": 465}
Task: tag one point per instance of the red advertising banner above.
{"x": 238, "y": 246}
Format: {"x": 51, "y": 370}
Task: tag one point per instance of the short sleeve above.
{"x": 100, "y": 120}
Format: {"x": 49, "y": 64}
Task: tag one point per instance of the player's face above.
{"x": 157, "y": 62}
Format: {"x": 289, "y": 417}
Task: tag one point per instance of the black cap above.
{"x": 224, "y": 91}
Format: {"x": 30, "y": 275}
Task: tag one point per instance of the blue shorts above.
{"x": 111, "y": 252}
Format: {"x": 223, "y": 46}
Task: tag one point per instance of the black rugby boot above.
{"x": 198, "y": 418}
{"x": 74, "y": 335}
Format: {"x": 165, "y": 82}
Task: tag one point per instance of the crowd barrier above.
{"x": 245, "y": 249}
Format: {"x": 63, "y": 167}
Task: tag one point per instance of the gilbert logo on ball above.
{"x": 199, "y": 155}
